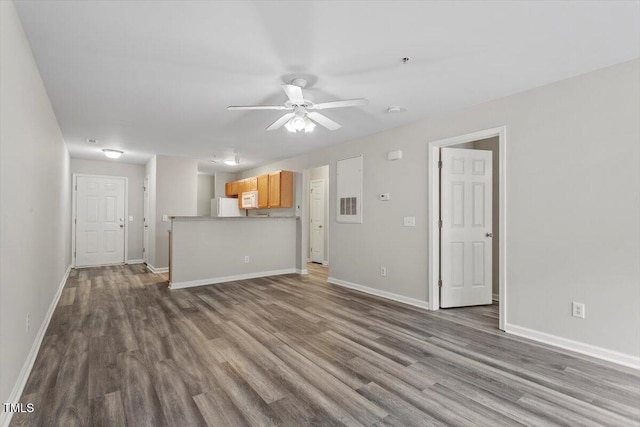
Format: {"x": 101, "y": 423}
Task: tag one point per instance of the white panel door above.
{"x": 145, "y": 219}
{"x": 317, "y": 220}
{"x": 99, "y": 221}
{"x": 466, "y": 234}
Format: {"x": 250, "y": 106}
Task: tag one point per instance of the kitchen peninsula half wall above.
{"x": 205, "y": 250}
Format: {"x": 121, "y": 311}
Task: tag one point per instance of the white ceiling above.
{"x": 154, "y": 77}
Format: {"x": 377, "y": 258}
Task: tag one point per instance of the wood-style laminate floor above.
{"x": 122, "y": 349}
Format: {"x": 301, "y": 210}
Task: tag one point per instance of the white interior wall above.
{"x": 176, "y": 194}
{"x": 206, "y": 191}
{"x": 220, "y": 179}
{"x": 35, "y": 225}
{"x": 135, "y": 175}
{"x": 150, "y": 173}
{"x": 572, "y": 165}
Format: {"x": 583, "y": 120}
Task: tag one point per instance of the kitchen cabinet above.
{"x": 262, "y": 183}
{"x": 275, "y": 190}
{"x": 231, "y": 188}
{"x": 281, "y": 189}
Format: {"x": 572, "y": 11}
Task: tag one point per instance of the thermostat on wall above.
{"x": 394, "y": 155}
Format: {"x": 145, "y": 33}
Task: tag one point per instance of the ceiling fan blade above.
{"x": 281, "y": 121}
{"x": 294, "y": 93}
{"x": 339, "y": 104}
{"x": 257, "y": 107}
{"x": 324, "y": 121}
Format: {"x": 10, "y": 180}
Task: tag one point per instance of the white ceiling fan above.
{"x": 301, "y": 114}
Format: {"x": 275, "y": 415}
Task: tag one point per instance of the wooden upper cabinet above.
{"x": 232, "y": 188}
{"x": 251, "y": 184}
{"x": 281, "y": 189}
{"x": 262, "y": 183}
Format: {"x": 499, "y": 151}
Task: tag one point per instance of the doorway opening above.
{"x": 318, "y": 250}
{"x": 480, "y": 276}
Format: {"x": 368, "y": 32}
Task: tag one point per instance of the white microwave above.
{"x": 249, "y": 200}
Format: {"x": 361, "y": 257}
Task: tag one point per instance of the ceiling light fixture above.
{"x": 234, "y": 162}
{"x": 111, "y": 153}
{"x": 300, "y": 123}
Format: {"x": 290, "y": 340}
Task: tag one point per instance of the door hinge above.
{"x": 440, "y": 283}
{"x": 143, "y": 250}
{"x": 75, "y": 221}
{"x": 440, "y": 223}
{"x": 440, "y": 164}
{"x": 76, "y": 187}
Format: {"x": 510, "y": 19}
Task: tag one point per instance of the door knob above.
{"x": 121, "y": 225}
{"x": 319, "y": 226}
{"x": 489, "y": 234}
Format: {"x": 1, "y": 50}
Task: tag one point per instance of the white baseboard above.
{"x": 495, "y": 297}
{"x": 325, "y": 263}
{"x": 214, "y": 280}
{"x": 303, "y": 271}
{"x": 135, "y": 261}
{"x": 377, "y": 292}
{"x": 579, "y": 347}
{"x": 153, "y": 269}
{"x": 21, "y": 382}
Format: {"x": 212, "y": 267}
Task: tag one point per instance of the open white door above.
{"x": 100, "y": 214}
{"x": 317, "y": 220}
{"x": 466, "y": 215}
{"x": 145, "y": 220}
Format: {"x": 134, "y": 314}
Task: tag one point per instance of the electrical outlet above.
{"x": 383, "y": 271}
{"x": 246, "y": 258}
{"x": 578, "y": 310}
{"x": 28, "y": 322}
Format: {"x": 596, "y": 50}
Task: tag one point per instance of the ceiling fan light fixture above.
{"x": 111, "y": 153}
{"x": 290, "y": 127}
{"x": 310, "y": 126}
{"x": 298, "y": 123}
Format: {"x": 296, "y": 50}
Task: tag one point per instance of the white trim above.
{"x": 495, "y": 297}
{"x": 434, "y": 207}
{"x": 325, "y": 263}
{"x": 74, "y": 190}
{"x": 213, "y": 281}
{"x": 377, "y": 292}
{"x": 18, "y": 388}
{"x": 135, "y": 261}
{"x": 579, "y": 347}
{"x": 302, "y": 271}
{"x": 153, "y": 269}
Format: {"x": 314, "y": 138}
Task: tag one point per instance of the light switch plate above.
{"x": 409, "y": 221}
{"x": 130, "y": 218}
{"x": 165, "y": 218}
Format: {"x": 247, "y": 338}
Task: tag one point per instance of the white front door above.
{"x": 100, "y": 214}
{"x": 145, "y": 220}
{"x": 466, "y": 215}
{"x": 317, "y": 220}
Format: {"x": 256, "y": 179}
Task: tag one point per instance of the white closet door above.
{"x": 466, "y": 233}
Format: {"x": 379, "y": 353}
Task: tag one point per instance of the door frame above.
{"x": 147, "y": 206}
{"x": 74, "y": 190}
{"x": 325, "y": 259}
{"x": 433, "y": 155}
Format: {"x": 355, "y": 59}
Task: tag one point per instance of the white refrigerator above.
{"x": 222, "y": 207}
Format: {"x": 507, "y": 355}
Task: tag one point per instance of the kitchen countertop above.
{"x": 232, "y": 218}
